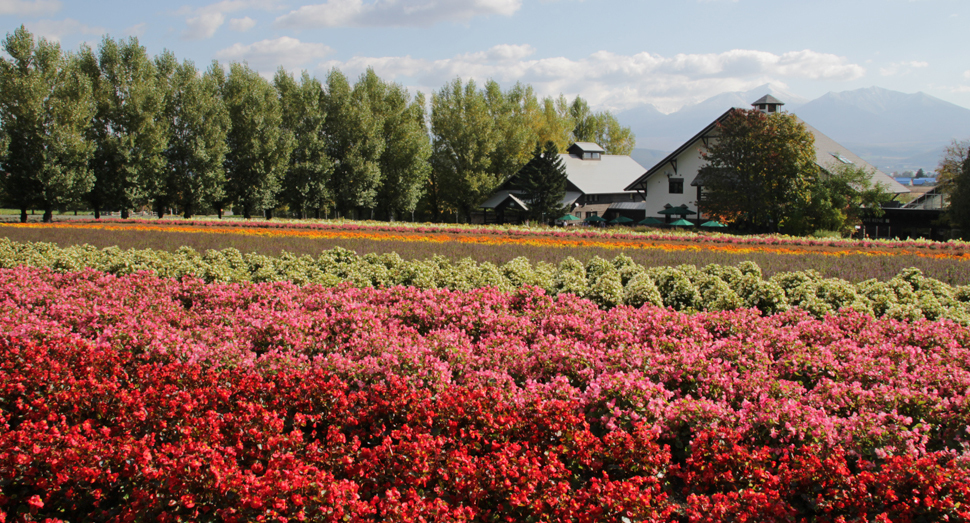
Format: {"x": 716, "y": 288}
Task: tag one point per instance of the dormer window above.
{"x": 586, "y": 151}
{"x": 768, "y": 104}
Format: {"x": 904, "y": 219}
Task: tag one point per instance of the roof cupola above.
{"x": 767, "y": 104}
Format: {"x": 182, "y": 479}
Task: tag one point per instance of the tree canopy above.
{"x": 954, "y": 178}
{"x": 543, "y": 179}
{"x": 760, "y": 168}
{"x": 45, "y": 108}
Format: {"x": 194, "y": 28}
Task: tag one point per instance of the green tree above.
{"x": 305, "y": 184}
{"x": 759, "y": 169}
{"x": 601, "y": 128}
{"x": 954, "y": 179}
{"x": 838, "y": 200}
{"x": 463, "y": 140}
{"x": 354, "y": 143}
{"x": 128, "y": 128}
{"x": 45, "y": 108}
{"x": 259, "y": 147}
{"x": 555, "y": 123}
{"x": 512, "y": 114}
{"x": 543, "y": 179}
{"x": 198, "y": 123}
{"x": 407, "y": 147}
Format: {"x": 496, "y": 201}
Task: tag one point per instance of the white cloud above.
{"x": 56, "y": 29}
{"x": 419, "y": 13}
{"x": 902, "y": 68}
{"x": 203, "y": 26}
{"x": 29, "y": 7}
{"x": 966, "y": 74}
{"x": 137, "y": 30}
{"x": 610, "y": 80}
{"x": 266, "y": 56}
{"x": 242, "y": 24}
{"x": 203, "y": 22}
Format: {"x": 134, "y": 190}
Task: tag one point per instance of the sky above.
{"x": 616, "y": 54}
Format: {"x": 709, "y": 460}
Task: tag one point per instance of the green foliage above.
{"x": 259, "y": 147}
{"x": 464, "y": 139}
{"x": 600, "y": 128}
{"x": 197, "y": 123}
{"x": 45, "y": 109}
{"x": 543, "y": 179}
{"x": 954, "y": 178}
{"x": 407, "y": 146}
{"x": 354, "y": 141}
{"x": 839, "y": 198}
{"x": 305, "y": 186}
{"x": 129, "y": 128}
{"x": 759, "y": 169}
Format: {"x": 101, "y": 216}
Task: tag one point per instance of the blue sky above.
{"x": 617, "y": 54}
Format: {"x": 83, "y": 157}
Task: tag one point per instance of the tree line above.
{"x": 115, "y": 129}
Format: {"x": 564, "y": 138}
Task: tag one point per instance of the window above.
{"x": 590, "y": 213}
{"x": 592, "y": 198}
{"x": 591, "y": 156}
{"x": 676, "y": 186}
{"x": 841, "y": 158}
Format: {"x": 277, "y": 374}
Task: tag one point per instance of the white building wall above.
{"x": 658, "y": 194}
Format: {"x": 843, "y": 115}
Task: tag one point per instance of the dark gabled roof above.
{"x": 672, "y": 156}
{"x": 768, "y": 100}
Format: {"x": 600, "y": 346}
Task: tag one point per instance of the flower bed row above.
{"x": 685, "y": 288}
{"x": 623, "y": 233}
{"x": 872, "y": 387}
{"x": 91, "y": 433}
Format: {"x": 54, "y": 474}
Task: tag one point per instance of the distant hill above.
{"x": 892, "y": 130}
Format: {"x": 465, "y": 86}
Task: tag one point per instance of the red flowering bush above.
{"x": 140, "y": 398}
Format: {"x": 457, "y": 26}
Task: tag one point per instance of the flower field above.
{"x": 137, "y": 397}
{"x": 179, "y": 385}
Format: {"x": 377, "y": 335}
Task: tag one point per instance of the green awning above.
{"x": 682, "y": 223}
{"x": 595, "y": 219}
{"x": 681, "y": 210}
{"x": 568, "y": 218}
{"x": 620, "y": 219}
{"x": 650, "y": 221}
{"x": 713, "y": 224}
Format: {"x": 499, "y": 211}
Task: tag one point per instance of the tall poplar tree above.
{"x": 513, "y": 113}
{"x": 305, "y": 184}
{"x": 354, "y": 143}
{"x": 259, "y": 147}
{"x": 407, "y": 147}
{"x": 198, "y": 122}
{"x": 128, "y": 128}
{"x": 463, "y": 141}
{"x": 45, "y": 108}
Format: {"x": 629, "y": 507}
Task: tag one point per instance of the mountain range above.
{"x": 892, "y": 130}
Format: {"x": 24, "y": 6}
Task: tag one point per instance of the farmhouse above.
{"x": 595, "y": 187}
{"x": 673, "y": 187}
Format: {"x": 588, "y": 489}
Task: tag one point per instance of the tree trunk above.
{"x": 124, "y": 213}
{"x": 160, "y": 211}
{"x": 316, "y": 213}
{"x": 187, "y": 211}
{"x": 219, "y": 212}
{"x": 269, "y": 214}
{"x": 246, "y": 214}
{"x": 48, "y": 214}
{"x": 23, "y": 215}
